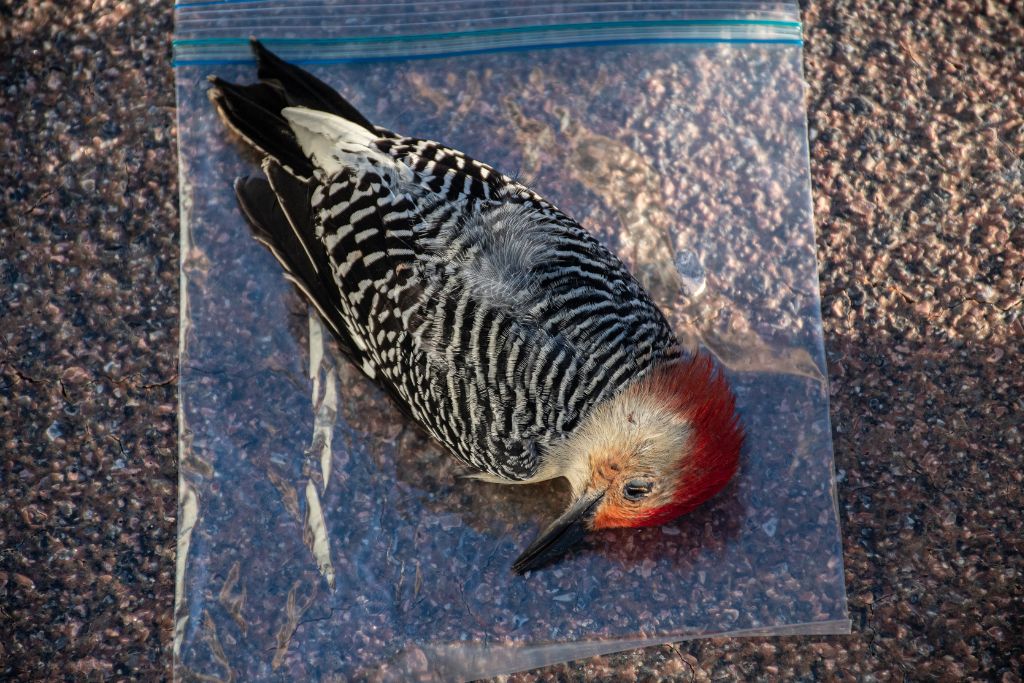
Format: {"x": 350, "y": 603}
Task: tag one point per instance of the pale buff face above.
{"x": 633, "y": 448}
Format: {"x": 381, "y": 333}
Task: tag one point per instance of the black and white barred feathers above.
{"x": 490, "y": 317}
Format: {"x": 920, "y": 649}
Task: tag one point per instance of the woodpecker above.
{"x": 495, "y": 321}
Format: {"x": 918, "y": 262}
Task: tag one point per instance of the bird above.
{"x": 503, "y": 328}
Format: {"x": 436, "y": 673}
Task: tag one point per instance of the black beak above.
{"x": 564, "y": 533}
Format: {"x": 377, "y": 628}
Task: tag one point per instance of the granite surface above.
{"x": 917, "y": 157}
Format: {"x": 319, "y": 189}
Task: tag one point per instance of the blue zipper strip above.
{"x": 511, "y": 48}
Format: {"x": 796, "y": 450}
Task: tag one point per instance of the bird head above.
{"x": 657, "y": 450}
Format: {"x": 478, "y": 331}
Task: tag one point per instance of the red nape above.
{"x": 702, "y": 396}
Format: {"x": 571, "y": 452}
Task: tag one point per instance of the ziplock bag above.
{"x": 322, "y": 536}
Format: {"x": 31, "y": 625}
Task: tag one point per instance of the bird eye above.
{"x": 636, "y": 489}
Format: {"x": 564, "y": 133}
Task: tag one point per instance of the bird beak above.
{"x": 564, "y": 533}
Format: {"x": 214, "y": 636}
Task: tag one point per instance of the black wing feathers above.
{"x": 254, "y": 112}
{"x": 279, "y": 209}
{"x": 287, "y": 234}
{"x": 301, "y": 88}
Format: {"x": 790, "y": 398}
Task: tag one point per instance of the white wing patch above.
{"x": 335, "y": 143}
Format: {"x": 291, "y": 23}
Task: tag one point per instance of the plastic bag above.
{"x": 320, "y": 533}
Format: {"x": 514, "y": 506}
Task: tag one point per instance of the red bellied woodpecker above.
{"x": 492, "y": 319}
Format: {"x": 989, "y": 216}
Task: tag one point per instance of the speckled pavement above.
{"x": 917, "y": 156}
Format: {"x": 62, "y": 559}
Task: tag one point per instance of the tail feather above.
{"x": 254, "y": 113}
{"x": 303, "y": 89}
